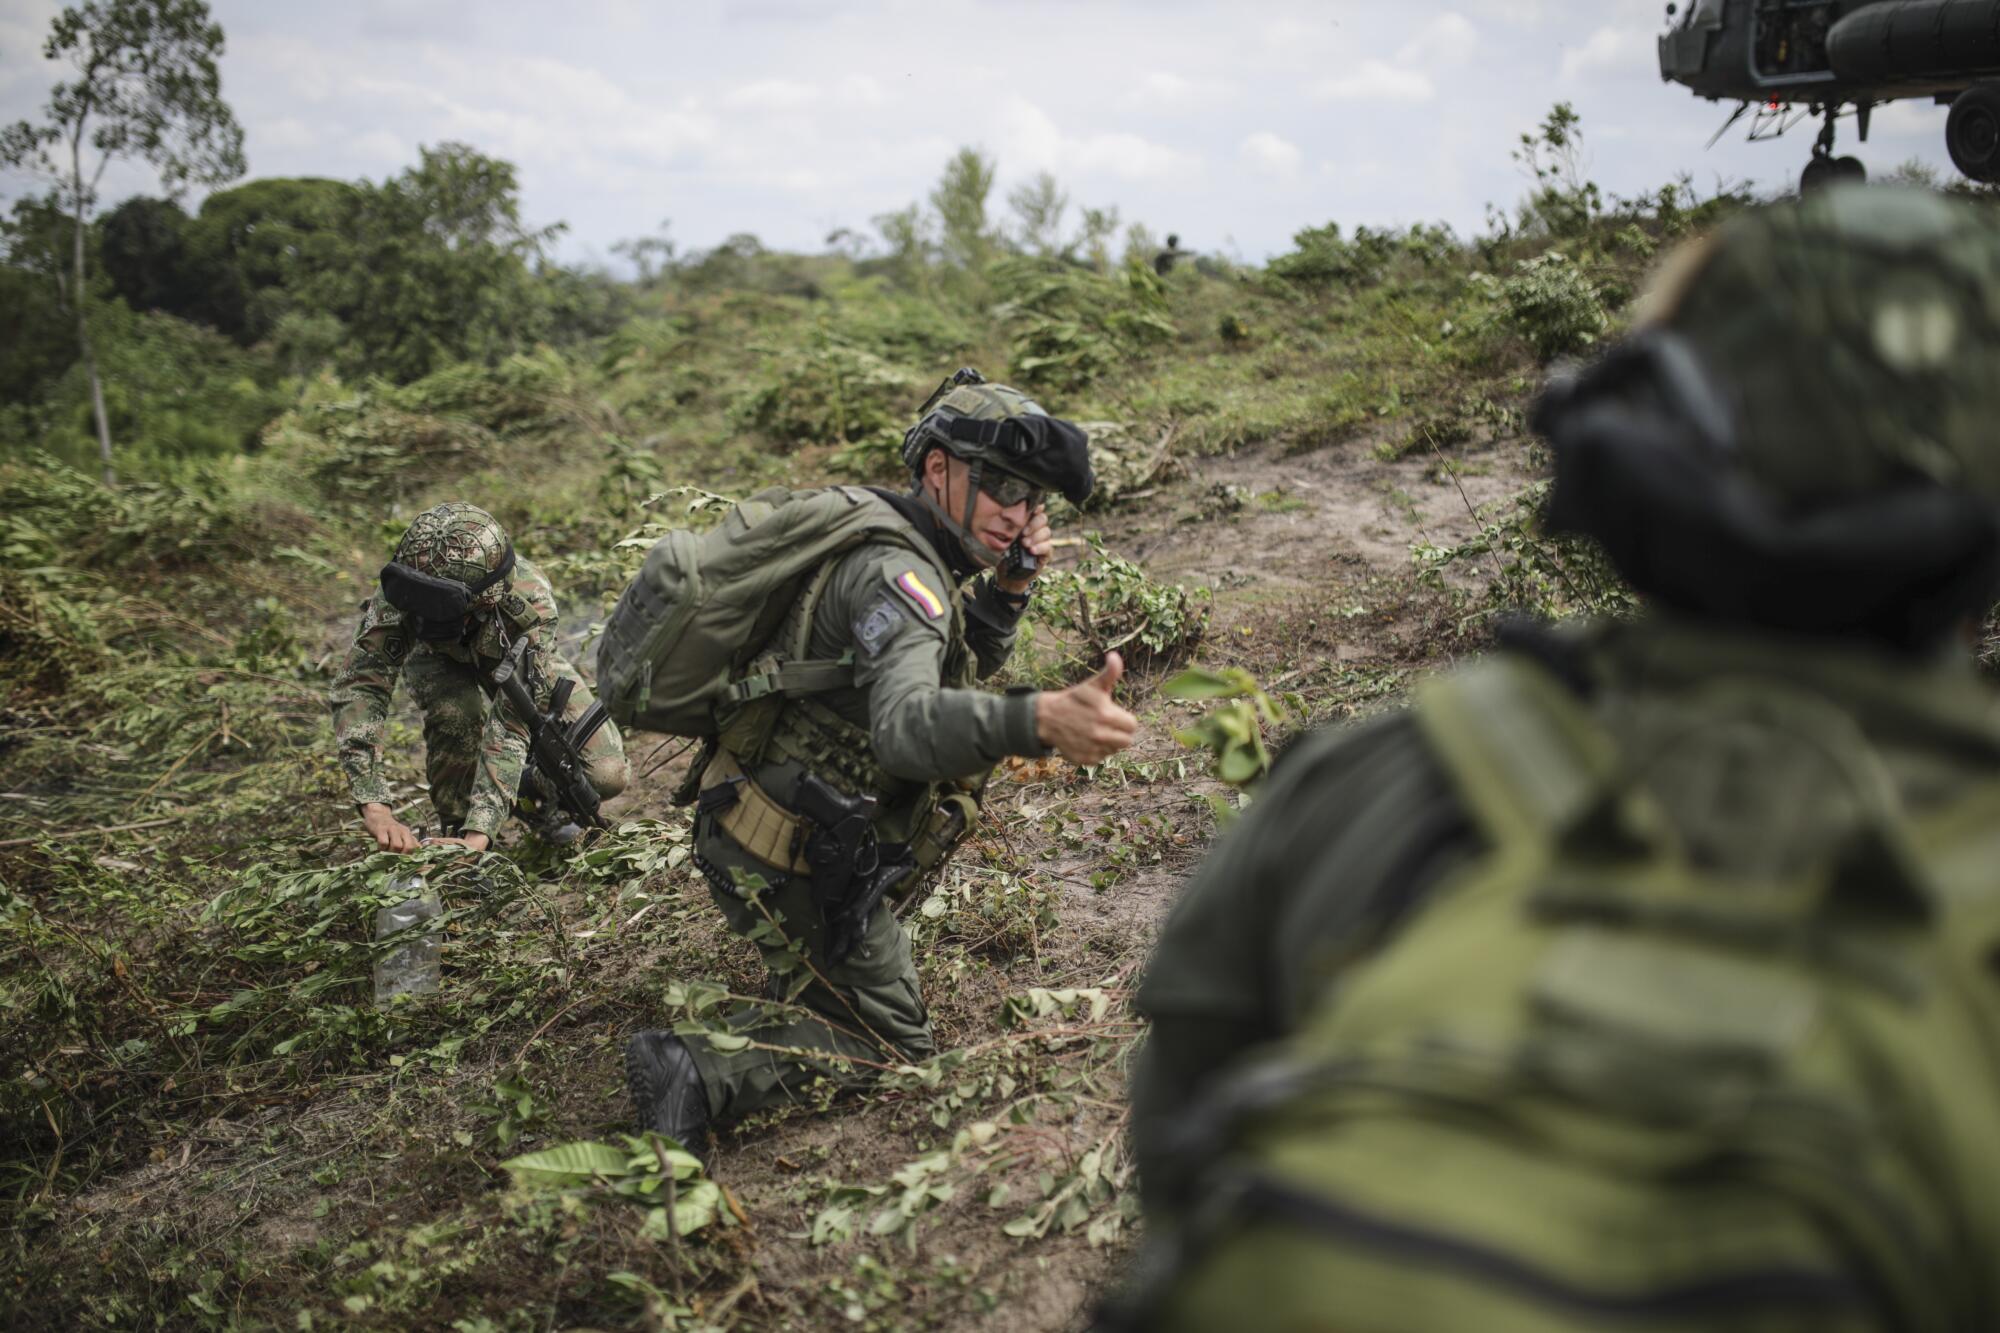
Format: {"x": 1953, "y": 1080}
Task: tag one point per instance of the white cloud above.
{"x": 1271, "y": 154}
{"x": 858, "y": 90}
{"x": 384, "y": 150}
{"x": 285, "y": 135}
{"x": 1031, "y": 140}
{"x": 1611, "y": 50}
{"x": 1376, "y": 81}
{"x": 1520, "y": 13}
{"x": 1164, "y": 90}
{"x": 1447, "y": 41}
{"x": 772, "y": 95}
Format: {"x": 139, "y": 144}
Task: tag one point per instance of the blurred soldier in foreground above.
{"x": 1648, "y": 975}
{"x": 840, "y": 794}
{"x": 459, "y": 617}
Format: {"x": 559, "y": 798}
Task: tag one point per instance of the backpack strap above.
{"x": 1523, "y": 754}
{"x": 793, "y": 674}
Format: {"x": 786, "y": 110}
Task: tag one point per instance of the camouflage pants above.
{"x": 457, "y": 745}
{"x": 866, "y": 1007}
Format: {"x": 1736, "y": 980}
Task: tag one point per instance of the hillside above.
{"x": 1316, "y": 471}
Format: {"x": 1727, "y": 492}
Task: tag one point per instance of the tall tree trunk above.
{"x": 77, "y": 294}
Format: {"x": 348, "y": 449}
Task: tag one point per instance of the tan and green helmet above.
{"x": 1799, "y": 433}
{"x": 460, "y": 542}
{"x": 1857, "y": 333}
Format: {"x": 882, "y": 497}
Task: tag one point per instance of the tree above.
{"x": 1038, "y": 207}
{"x": 431, "y": 267}
{"x": 648, "y": 254}
{"x": 146, "y": 86}
{"x": 959, "y": 200}
{"x": 253, "y": 247}
{"x": 142, "y": 249}
{"x": 35, "y": 346}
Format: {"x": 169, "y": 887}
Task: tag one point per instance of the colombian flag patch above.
{"x": 918, "y": 592}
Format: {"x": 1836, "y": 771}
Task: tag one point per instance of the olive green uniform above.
{"x": 474, "y": 751}
{"x": 1359, "y": 830}
{"x": 908, "y": 723}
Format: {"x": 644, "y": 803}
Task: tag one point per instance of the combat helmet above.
{"x": 452, "y": 561}
{"x": 1799, "y": 432}
{"x": 1005, "y": 436}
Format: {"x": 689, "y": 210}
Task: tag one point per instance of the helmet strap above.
{"x": 975, "y": 550}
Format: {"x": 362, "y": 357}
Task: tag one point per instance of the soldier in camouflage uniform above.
{"x": 1641, "y": 976}
{"x": 475, "y": 749}
{"x": 922, "y": 619}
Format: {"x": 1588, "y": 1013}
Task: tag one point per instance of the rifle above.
{"x": 556, "y": 766}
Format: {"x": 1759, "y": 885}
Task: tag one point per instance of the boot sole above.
{"x": 639, "y": 1086}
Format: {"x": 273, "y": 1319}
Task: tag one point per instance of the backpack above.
{"x": 704, "y": 605}
{"x": 1595, "y": 1085}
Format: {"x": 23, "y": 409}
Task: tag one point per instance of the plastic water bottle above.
{"x": 411, "y": 968}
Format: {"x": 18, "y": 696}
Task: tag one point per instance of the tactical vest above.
{"x": 1596, "y": 1083}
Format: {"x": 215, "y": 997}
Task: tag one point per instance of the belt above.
{"x": 755, "y": 822}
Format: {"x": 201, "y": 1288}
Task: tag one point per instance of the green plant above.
{"x": 1554, "y": 305}
{"x": 514, "y": 1110}
{"x": 1111, "y": 604}
{"x": 1071, "y": 326}
{"x": 1232, "y": 732}
{"x": 1529, "y": 570}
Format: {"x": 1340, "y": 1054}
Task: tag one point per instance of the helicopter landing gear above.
{"x": 1826, "y": 169}
{"x": 1972, "y": 132}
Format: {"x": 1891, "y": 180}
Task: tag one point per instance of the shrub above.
{"x": 1111, "y": 603}
{"x": 1550, "y": 302}
{"x": 1069, "y": 325}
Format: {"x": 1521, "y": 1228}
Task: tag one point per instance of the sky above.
{"x": 1232, "y": 124}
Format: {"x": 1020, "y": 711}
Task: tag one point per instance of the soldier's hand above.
{"x": 1040, "y": 542}
{"x": 1082, "y": 722}
{"x": 474, "y": 841}
{"x": 390, "y": 833}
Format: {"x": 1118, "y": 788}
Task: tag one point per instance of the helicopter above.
{"x": 1787, "y": 61}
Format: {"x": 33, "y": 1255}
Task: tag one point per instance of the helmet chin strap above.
{"x": 976, "y": 550}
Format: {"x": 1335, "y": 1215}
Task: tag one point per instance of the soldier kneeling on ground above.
{"x": 845, "y": 770}
{"x": 459, "y": 612}
{"x": 1643, "y": 975}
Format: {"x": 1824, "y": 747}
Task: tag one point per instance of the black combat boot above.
{"x": 668, "y": 1096}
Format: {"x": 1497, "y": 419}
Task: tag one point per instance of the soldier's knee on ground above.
{"x": 609, "y": 774}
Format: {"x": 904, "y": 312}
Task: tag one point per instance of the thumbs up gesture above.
{"x": 1082, "y": 722}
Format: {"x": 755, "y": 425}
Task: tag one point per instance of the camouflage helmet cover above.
{"x": 458, "y": 541}
{"x": 1857, "y": 331}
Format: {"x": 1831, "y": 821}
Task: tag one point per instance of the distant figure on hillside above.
{"x": 1164, "y": 260}
{"x": 850, "y": 768}
{"x": 1643, "y": 975}
{"x": 453, "y": 605}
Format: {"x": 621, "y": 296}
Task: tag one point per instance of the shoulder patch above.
{"x": 880, "y": 621}
{"x": 918, "y": 593}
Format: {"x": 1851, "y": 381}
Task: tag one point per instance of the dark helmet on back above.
{"x": 1800, "y": 431}
{"x": 454, "y": 559}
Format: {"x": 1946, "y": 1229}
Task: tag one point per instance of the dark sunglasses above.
{"x": 1008, "y": 490}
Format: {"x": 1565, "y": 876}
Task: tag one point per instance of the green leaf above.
{"x": 1202, "y": 683}
{"x": 569, "y": 1164}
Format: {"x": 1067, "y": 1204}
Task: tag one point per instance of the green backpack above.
{"x": 705, "y": 605}
{"x": 1596, "y": 1085}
